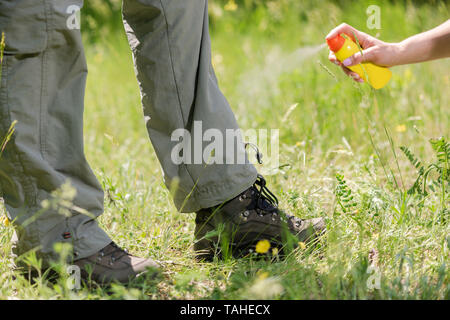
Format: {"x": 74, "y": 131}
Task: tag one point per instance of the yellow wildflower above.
{"x": 275, "y": 251}
{"x": 400, "y": 128}
{"x": 262, "y": 246}
{"x": 302, "y": 245}
{"x": 262, "y": 274}
{"x": 231, "y": 6}
{"x": 4, "y": 220}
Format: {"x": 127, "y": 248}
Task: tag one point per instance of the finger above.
{"x": 348, "y": 72}
{"x": 353, "y": 60}
{"x": 368, "y": 55}
{"x": 364, "y": 39}
{"x": 343, "y": 28}
{"x": 333, "y": 58}
{"x": 352, "y": 74}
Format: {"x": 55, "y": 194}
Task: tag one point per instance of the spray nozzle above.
{"x": 336, "y": 43}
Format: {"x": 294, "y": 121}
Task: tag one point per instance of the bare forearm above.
{"x": 429, "y": 45}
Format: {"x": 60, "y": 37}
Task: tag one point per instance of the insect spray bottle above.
{"x": 343, "y": 47}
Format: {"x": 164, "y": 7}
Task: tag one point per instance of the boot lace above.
{"x": 266, "y": 202}
{"x": 265, "y": 199}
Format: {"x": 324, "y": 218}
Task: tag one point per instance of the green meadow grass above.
{"x": 264, "y": 67}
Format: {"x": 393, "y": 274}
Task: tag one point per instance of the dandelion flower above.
{"x": 4, "y": 220}
{"x": 262, "y": 246}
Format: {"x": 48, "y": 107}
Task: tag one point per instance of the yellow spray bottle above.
{"x": 343, "y": 47}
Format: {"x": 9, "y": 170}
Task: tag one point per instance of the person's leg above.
{"x": 172, "y": 54}
{"x": 42, "y": 88}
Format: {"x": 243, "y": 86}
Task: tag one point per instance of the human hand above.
{"x": 374, "y": 50}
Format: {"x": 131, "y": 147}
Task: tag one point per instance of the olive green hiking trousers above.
{"x": 42, "y": 88}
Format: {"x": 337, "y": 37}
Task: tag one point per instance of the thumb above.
{"x": 359, "y": 57}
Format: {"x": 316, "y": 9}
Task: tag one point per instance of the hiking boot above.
{"x": 114, "y": 264}
{"x": 237, "y": 225}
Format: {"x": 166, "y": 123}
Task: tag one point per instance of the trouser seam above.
{"x": 42, "y": 112}
{"x": 163, "y": 11}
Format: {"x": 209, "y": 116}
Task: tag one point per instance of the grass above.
{"x": 339, "y": 129}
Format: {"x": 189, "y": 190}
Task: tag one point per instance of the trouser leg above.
{"x": 172, "y": 55}
{"x": 42, "y": 88}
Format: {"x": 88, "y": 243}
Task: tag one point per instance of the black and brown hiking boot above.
{"x": 238, "y": 225}
{"x": 114, "y": 264}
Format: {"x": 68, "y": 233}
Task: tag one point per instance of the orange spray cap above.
{"x": 336, "y": 43}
